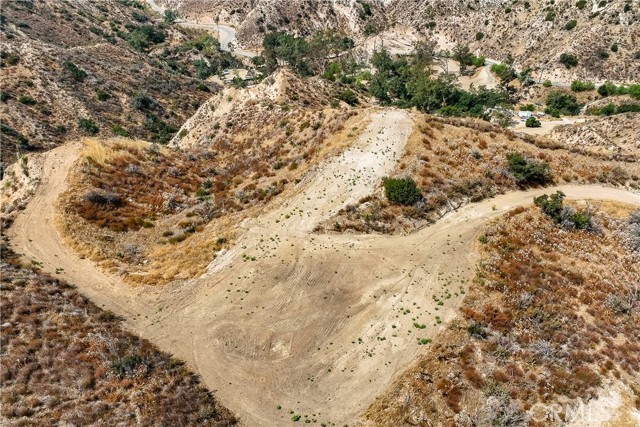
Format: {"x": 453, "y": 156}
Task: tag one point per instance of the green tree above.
{"x": 402, "y": 191}
{"x": 463, "y": 56}
{"x": 532, "y": 122}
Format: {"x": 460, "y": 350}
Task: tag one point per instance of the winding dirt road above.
{"x": 316, "y": 324}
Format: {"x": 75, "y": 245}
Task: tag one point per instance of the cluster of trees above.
{"x": 305, "y": 57}
{"x": 562, "y": 103}
{"x": 610, "y": 89}
{"x": 410, "y": 82}
{"x": 611, "y": 109}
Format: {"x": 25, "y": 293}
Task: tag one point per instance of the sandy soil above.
{"x": 546, "y": 125}
{"x": 316, "y": 324}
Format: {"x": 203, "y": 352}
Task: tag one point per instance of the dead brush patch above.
{"x": 555, "y": 327}
{"x": 459, "y": 161}
{"x": 66, "y": 361}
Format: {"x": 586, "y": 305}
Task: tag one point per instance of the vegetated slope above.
{"x": 604, "y": 39}
{"x": 457, "y": 161}
{"x": 254, "y": 18}
{"x": 552, "y": 317}
{"x": 613, "y": 135}
{"x": 66, "y": 361}
{"x": 133, "y": 206}
{"x": 97, "y": 68}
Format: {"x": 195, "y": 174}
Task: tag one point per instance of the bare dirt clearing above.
{"x": 315, "y": 324}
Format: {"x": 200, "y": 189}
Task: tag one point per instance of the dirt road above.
{"x": 314, "y": 324}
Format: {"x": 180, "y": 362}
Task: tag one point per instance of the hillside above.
{"x": 454, "y": 162}
{"x": 167, "y": 212}
{"x": 603, "y": 38}
{"x": 254, "y": 18}
{"x": 72, "y": 69}
{"x": 549, "y": 321}
{"x": 617, "y": 135}
{"x": 66, "y": 361}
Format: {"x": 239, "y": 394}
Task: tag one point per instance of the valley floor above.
{"x": 288, "y": 320}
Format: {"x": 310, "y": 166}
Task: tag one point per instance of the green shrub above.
{"x": 119, "y": 131}
{"x": 348, "y": 96}
{"x": 528, "y": 107}
{"x": 477, "y": 330}
{"x": 580, "y": 86}
{"x": 614, "y": 47}
{"x": 568, "y": 60}
{"x": 628, "y": 108}
{"x": 479, "y": 35}
{"x": 88, "y": 126}
{"x": 570, "y": 25}
{"x": 26, "y": 100}
{"x": 127, "y": 365}
{"x": 527, "y": 171}
{"x": 402, "y": 191}
{"x": 547, "y": 83}
{"x": 503, "y": 71}
{"x": 4, "y": 96}
{"x": 532, "y": 122}
{"x": 170, "y": 16}
{"x": 78, "y": 74}
{"x": 580, "y": 4}
{"x": 478, "y": 61}
{"x": 102, "y": 95}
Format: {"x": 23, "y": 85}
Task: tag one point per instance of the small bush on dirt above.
{"x": 568, "y": 60}
{"x": 88, "y": 126}
{"x": 26, "y": 100}
{"x": 580, "y": 86}
{"x": 348, "y": 96}
{"x": 532, "y": 122}
{"x": 100, "y": 197}
{"x": 77, "y": 73}
{"x": 570, "y": 25}
{"x": 526, "y": 171}
{"x": 402, "y": 191}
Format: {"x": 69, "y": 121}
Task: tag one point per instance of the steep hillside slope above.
{"x": 604, "y": 37}
{"x": 65, "y": 361}
{"x": 551, "y": 319}
{"x": 97, "y": 68}
{"x": 254, "y": 18}
{"x": 614, "y": 135}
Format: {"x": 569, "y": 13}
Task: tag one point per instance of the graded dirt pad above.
{"x": 315, "y": 324}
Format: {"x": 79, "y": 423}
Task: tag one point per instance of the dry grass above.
{"x": 103, "y": 152}
{"x": 552, "y": 316}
